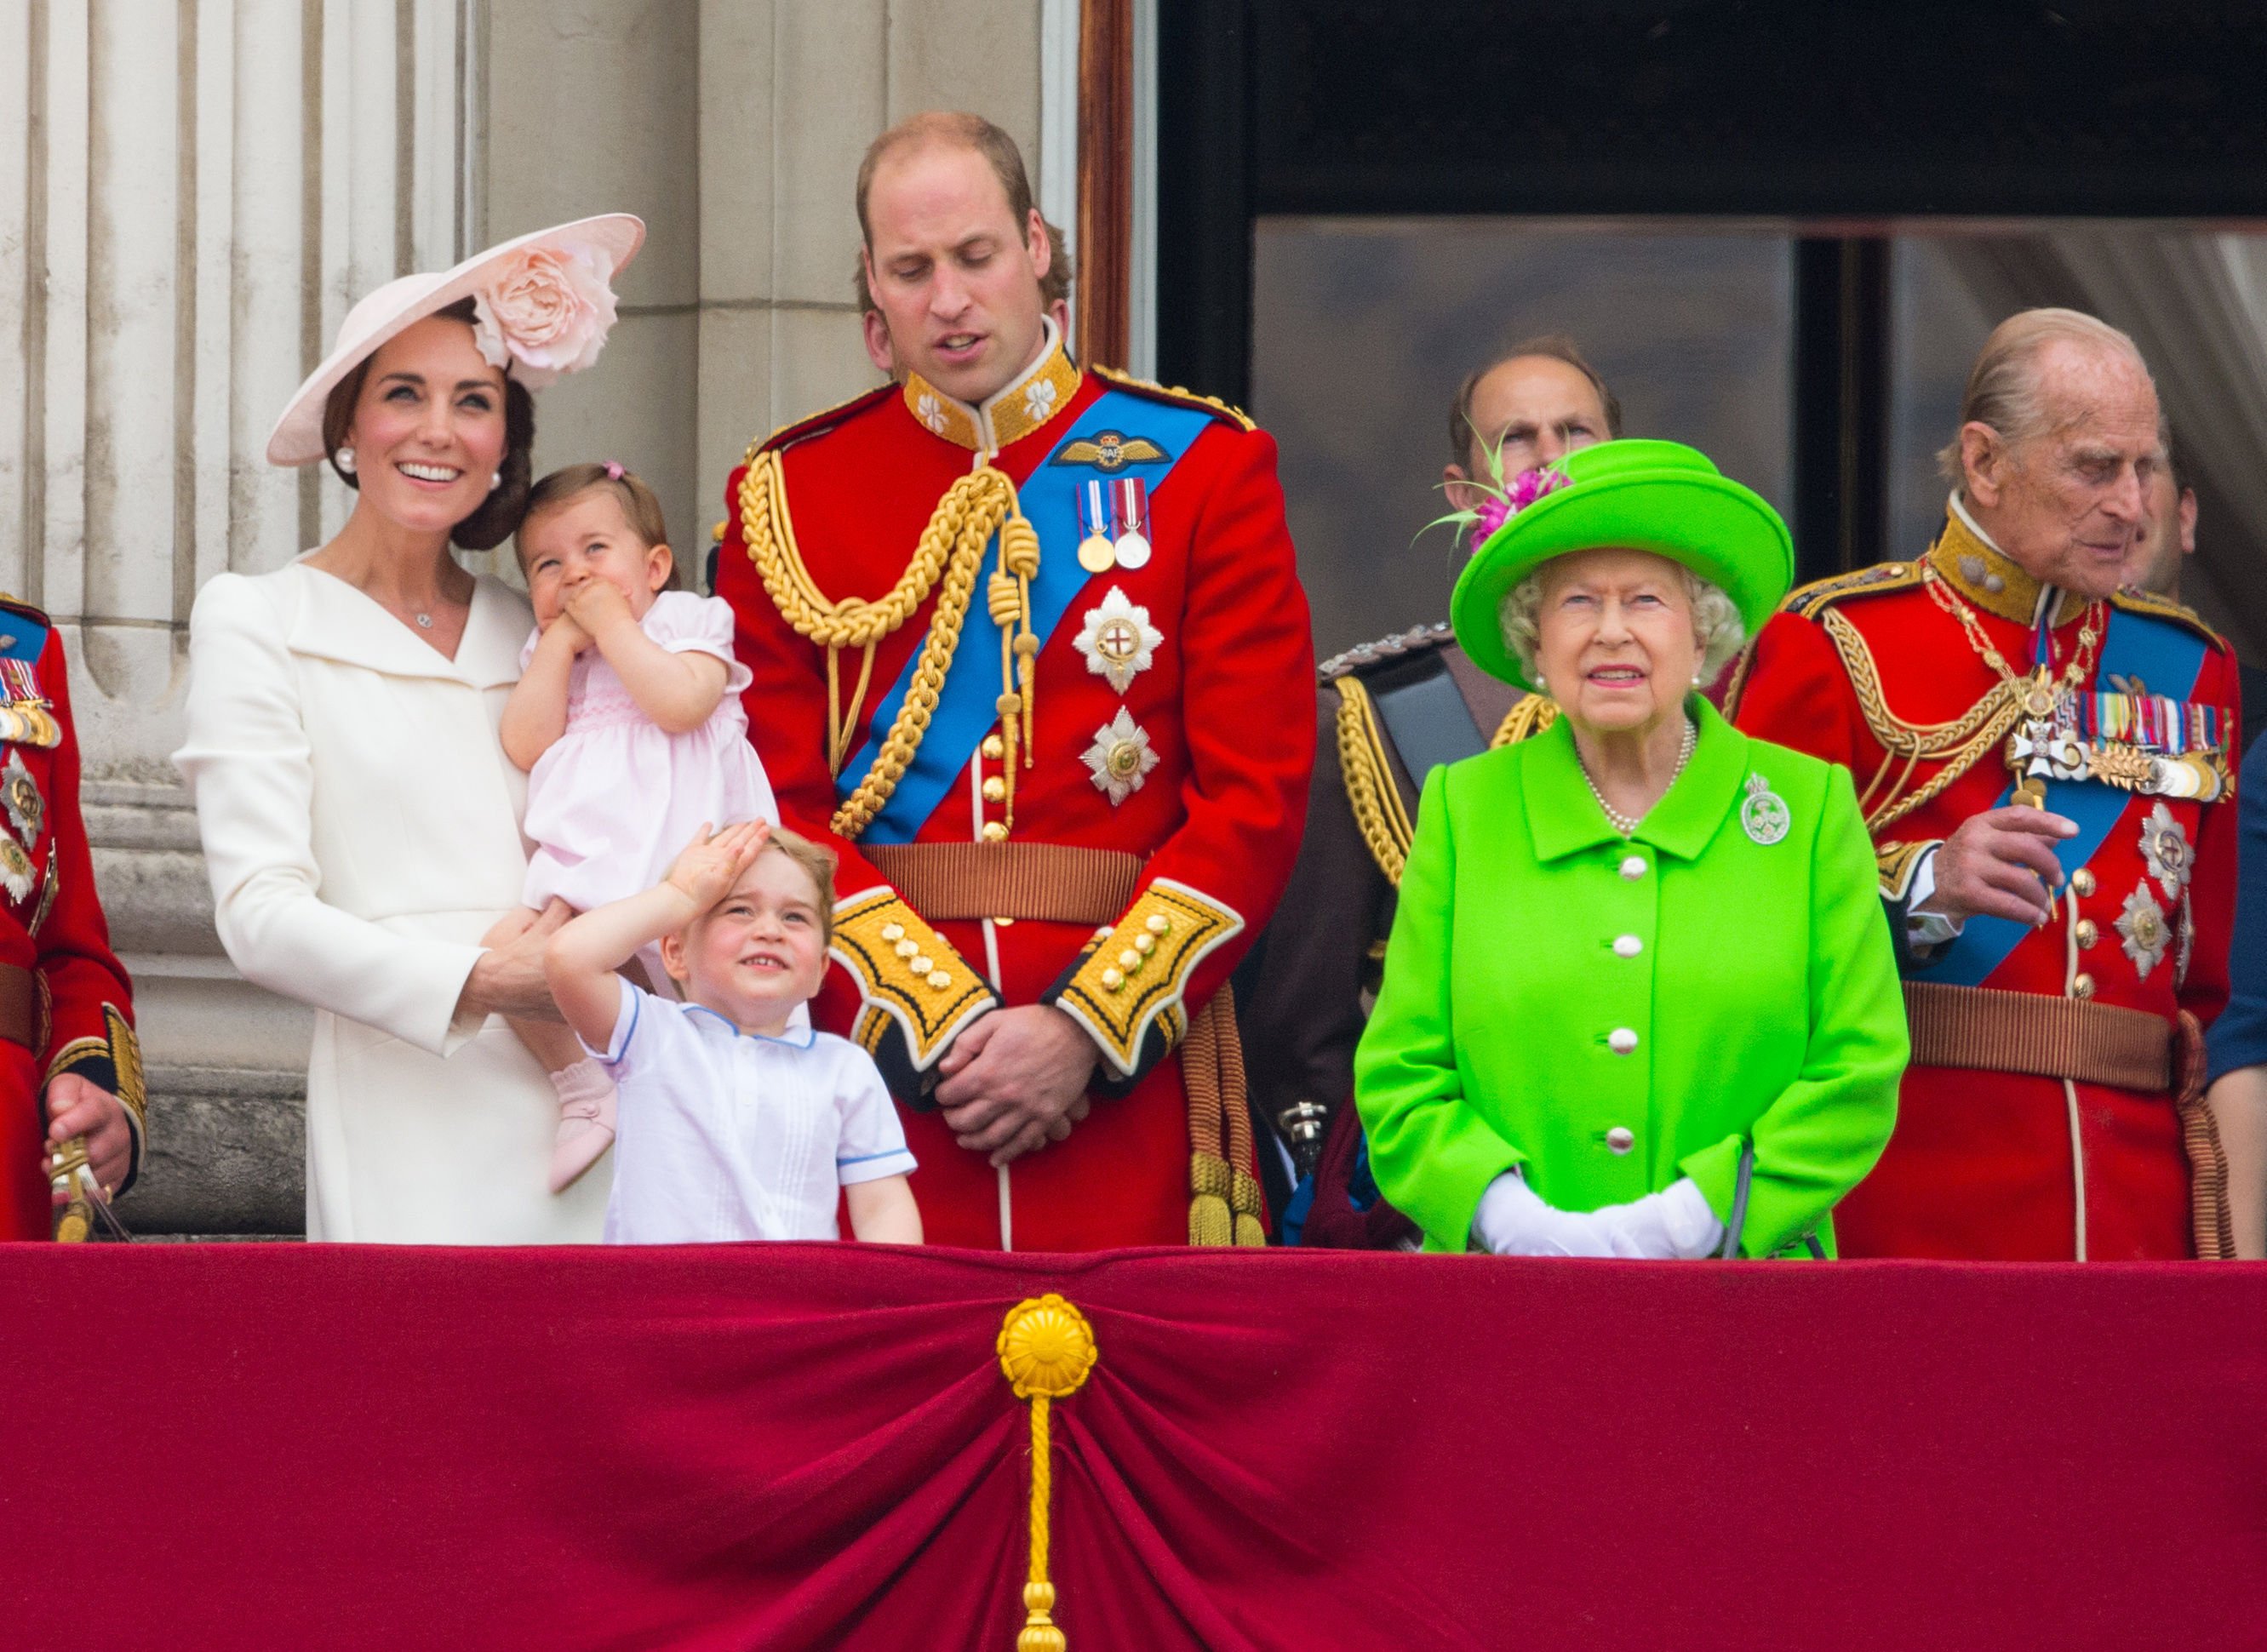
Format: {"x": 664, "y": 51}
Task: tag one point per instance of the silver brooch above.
{"x": 1764, "y": 813}
{"x": 1118, "y": 641}
{"x": 2165, "y": 846}
{"x": 1120, "y": 758}
{"x": 27, "y": 808}
{"x": 2147, "y": 934}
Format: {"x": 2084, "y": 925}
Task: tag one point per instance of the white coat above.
{"x": 362, "y": 826}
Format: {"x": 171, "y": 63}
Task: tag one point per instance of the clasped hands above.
{"x": 1015, "y": 1080}
{"x": 1674, "y": 1224}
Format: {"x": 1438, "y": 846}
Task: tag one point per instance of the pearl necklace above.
{"x": 1615, "y": 818}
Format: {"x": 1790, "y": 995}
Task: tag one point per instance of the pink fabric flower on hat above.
{"x": 1526, "y": 488}
{"x": 548, "y": 309}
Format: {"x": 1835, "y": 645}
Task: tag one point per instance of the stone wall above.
{"x": 206, "y": 186}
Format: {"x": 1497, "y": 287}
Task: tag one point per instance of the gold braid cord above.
{"x": 1375, "y": 801}
{"x": 1378, "y": 816}
{"x": 1047, "y": 1348}
{"x": 1957, "y": 745}
{"x": 951, "y": 549}
{"x": 1529, "y": 718}
{"x": 1224, "y": 1200}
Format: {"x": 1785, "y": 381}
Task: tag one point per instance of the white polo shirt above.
{"x": 726, "y": 1135}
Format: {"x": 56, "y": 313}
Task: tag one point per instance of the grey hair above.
{"x": 2003, "y": 387}
{"x": 1716, "y": 624}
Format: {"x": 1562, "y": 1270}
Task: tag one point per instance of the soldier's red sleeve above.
{"x": 1247, "y": 714}
{"x": 87, "y": 997}
{"x": 2203, "y": 988}
{"x": 787, "y": 706}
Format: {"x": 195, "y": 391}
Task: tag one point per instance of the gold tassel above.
{"x": 1047, "y": 1348}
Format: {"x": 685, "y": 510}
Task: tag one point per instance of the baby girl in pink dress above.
{"x": 627, "y": 719}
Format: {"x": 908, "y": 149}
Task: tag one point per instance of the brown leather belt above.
{"x": 19, "y": 1007}
{"x": 1993, "y": 1031}
{"x": 1056, "y": 883}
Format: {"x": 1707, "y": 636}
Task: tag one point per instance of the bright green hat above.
{"x": 1657, "y": 496}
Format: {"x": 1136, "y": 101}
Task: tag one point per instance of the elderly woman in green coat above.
{"x": 1640, "y": 998}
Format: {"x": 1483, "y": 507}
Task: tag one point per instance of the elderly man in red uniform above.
{"x": 2046, "y": 765}
{"x": 70, "y": 1071}
{"x": 1030, "y": 651}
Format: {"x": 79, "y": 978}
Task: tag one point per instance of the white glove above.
{"x": 1674, "y": 1224}
{"x": 1513, "y": 1221}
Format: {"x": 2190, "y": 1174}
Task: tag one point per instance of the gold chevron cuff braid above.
{"x": 907, "y": 972}
{"x": 1140, "y": 972}
{"x": 120, "y": 1054}
{"x": 1897, "y": 863}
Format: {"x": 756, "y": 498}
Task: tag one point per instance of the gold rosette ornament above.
{"x": 1046, "y": 1348}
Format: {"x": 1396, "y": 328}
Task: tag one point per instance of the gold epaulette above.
{"x": 1175, "y": 394}
{"x": 1401, "y": 646}
{"x": 2164, "y": 608}
{"x": 819, "y": 423}
{"x": 1807, "y": 600}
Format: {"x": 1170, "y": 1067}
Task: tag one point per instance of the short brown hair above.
{"x": 818, "y": 862}
{"x": 941, "y": 127}
{"x": 641, "y": 508}
{"x": 1555, "y": 347}
{"x": 499, "y": 514}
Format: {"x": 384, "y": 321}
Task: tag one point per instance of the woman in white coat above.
{"x": 360, "y": 820}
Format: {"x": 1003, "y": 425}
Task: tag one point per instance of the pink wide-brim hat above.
{"x": 297, "y": 438}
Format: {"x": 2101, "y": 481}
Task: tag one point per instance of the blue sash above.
{"x": 968, "y": 705}
{"x": 2167, "y": 657}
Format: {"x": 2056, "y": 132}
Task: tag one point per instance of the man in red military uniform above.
{"x": 70, "y": 1072}
{"x": 1030, "y": 651}
{"x": 2046, "y": 765}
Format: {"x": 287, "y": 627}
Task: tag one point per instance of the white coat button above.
{"x": 1633, "y": 868}
{"x": 1627, "y": 946}
{"x": 1621, "y": 1041}
{"x": 1620, "y": 1139}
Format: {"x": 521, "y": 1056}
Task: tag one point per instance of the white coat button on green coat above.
{"x": 1633, "y": 868}
{"x": 1627, "y": 946}
{"x": 1621, "y": 1041}
{"x": 1621, "y": 1138}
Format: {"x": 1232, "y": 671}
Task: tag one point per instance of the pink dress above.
{"x": 616, "y": 797}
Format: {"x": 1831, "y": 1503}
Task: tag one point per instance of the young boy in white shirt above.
{"x": 737, "y": 1121}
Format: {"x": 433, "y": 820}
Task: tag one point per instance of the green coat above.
{"x": 1757, "y": 977}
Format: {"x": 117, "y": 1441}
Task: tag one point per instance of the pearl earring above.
{"x": 345, "y": 460}
{"x": 495, "y": 480}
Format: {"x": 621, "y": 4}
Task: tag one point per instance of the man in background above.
{"x": 1388, "y": 712}
{"x": 2165, "y": 549}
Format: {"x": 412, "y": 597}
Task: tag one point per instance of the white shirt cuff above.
{"x": 1927, "y": 929}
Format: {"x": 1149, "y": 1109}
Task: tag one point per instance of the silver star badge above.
{"x": 2147, "y": 934}
{"x": 1120, "y": 758}
{"x": 2165, "y": 846}
{"x": 27, "y": 808}
{"x": 1118, "y": 641}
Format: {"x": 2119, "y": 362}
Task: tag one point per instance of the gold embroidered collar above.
{"x": 1028, "y": 401}
{"x": 1987, "y": 576}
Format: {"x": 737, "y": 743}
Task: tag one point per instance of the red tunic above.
{"x": 1222, "y": 701}
{"x": 51, "y": 924}
{"x": 1983, "y": 1164}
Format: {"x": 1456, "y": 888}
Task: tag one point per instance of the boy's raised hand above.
{"x": 712, "y": 863}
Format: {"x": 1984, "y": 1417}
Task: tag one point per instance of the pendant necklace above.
{"x": 1615, "y": 818}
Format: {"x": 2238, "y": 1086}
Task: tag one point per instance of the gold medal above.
{"x": 1096, "y": 553}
